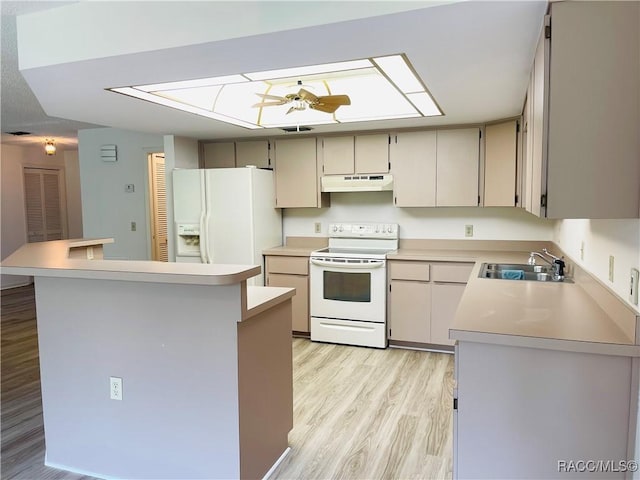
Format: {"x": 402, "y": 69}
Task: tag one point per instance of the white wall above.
{"x": 179, "y": 152}
{"x": 433, "y": 223}
{"x": 107, "y": 210}
{"x": 74, "y": 195}
{"x": 14, "y": 228}
{"x": 620, "y": 238}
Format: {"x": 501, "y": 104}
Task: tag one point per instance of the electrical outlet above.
{"x": 317, "y": 227}
{"x": 611, "y": 259}
{"x": 115, "y": 388}
{"x": 133, "y": 226}
{"x": 129, "y": 188}
{"x": 582, "y": 250}
{"x": 633, "y": 288}
{"x": 468, "y": 230}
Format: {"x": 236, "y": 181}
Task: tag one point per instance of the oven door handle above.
{"x": 348, "y": 266}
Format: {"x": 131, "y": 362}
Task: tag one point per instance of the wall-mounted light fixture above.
{"x": 50, "y": 147}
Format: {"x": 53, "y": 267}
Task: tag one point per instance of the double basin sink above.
{"x": 505, "y": 271}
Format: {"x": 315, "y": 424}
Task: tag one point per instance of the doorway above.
{"x": 158, "y": 207}
{"x": 44, "y": 199}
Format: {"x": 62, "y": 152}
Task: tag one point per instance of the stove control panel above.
{"x": 363, "y": 230}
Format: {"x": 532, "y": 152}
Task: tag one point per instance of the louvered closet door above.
{"x": 159, "y": 194}
{"x": 43, "y": 205}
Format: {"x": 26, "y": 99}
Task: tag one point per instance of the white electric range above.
{"x": 348, "y": 283}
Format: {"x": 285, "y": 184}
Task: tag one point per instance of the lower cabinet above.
{"x": 292, "y": 272}
{"x": 423, "y": 299}
{"x": 445, "y": 298}
{"x": 538, "y": 413}
{"x": 409, "y": 311}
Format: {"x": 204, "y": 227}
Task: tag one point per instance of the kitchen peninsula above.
{"x": 158, "y": 370}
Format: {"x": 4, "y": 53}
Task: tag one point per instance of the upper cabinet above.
{"x": 458, "y": 164}
{"x": 296, "y": 174}
{"x": 372, "y": 153}
{"x": 338, "y": 155}
{"x": 236, "y": 154}
{"x": 436, "y": 168}
{"x": 360, "y": 154}
{"x": 219, "y": 155}
{"x": 254, "y": 152}
{"x": 413, "y": 165}
{"x": 500, "y": 157}
{"x": 584, "y": 113}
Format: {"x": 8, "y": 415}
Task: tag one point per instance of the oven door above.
{"x": 348, "y": 288}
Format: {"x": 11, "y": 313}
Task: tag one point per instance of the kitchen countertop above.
{"x": 553, "y": 315}
{"x": 51, "y": 259}
{"x": 558, "y": 316}
{"x": 287, "y": 251}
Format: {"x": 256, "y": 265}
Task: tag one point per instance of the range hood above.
{"x": 357, "y": 183}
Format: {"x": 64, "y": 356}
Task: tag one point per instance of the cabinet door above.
{"x": 413, "y": 164}
{"x": 500, "y": 145}
{"x": 536, "y": 129}
{"x": 410, "y": 311}
{"x": 219, "y": 155}
{"x": 253, "y": 153}
{"x": 458, "y": 154}
{"x": 372, "y": 153}
{"x": 444, "y": 303}
{"x": 594, "y": 110}
{"x": 296, "y": 173}
{"x": 299, "y": 302}
{"x": 337, "y": 155}
{"x": 527, "y": 148}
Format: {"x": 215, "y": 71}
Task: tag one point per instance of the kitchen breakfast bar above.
{"x": 184, "y": 365}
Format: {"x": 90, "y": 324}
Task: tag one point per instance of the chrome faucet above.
{"x": 556, "y": 262}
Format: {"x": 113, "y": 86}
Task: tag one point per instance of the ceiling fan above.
{"x": 304, "y": 99}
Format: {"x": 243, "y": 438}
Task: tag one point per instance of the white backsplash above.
{"x": 433, "y": 223}
{"x": 602, "y": 238}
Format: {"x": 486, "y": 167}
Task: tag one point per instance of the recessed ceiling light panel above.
{"x": 377, "y": 88}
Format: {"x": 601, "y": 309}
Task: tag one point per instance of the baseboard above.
{"x": 17, "y": 285}
{"x": 66, "y": 468}
{"x": 278, "y": 462}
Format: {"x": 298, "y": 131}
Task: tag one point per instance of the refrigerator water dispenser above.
{"x": 188, "y": 240}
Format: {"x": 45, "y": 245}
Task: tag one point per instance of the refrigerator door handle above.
{"x": 207, "y": 218}
{"x": 203, "y": 239}
{"x": 203, "y": 219}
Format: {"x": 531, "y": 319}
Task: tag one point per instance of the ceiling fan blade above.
{"x": 268, "y": 104}
{"x": 307, "y": 96}
{"x": 330, "y": 103}
{"x": 324, "y": 108}
{"x": 335, "y": 100}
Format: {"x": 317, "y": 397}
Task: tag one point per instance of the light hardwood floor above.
{"x": 359, "y": 413}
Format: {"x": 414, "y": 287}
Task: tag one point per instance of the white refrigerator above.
{"x": 225, "y": 215}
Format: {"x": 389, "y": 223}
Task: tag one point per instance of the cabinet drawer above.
{"x": 291, "y": 265}
{"x": 409, "y": 271}
{"x": 451, "y": 272}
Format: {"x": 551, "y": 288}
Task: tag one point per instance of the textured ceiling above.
{"x": 20, "y": 109}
